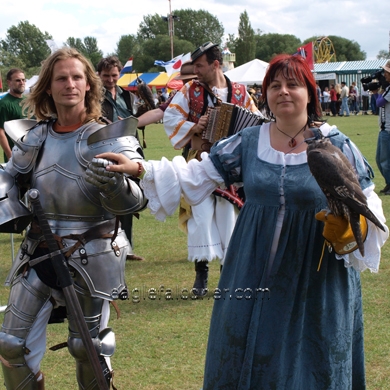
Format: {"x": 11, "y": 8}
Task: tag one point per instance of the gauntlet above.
{"x": 109, "y": 183}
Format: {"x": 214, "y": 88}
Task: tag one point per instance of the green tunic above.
{"x": 10, "y": 109}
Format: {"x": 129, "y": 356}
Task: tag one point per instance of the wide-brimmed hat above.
{"x": 387, "y": 66}
{"x": 201, "y": 50}
{"x": 186, "y": 72}
{"x": 251, "y": 90}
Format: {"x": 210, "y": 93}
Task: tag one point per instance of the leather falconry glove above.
{"x": 337, "y": 231}
{"x": 109, "y": 183}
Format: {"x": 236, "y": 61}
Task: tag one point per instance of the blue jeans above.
{"x": 383, "y": 155}
{"x": 354, "y": 106}
{"x": 344, "y": 106}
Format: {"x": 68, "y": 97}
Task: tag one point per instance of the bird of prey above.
{"x": 339, "y": 182}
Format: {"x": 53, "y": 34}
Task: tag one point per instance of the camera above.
{"x": 369, "y": 85}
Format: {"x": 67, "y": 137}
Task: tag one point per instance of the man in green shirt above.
{"x": 10, "y": 107}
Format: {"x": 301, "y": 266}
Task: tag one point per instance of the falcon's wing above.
{"x": 334, "y": 173}
{"x": 338, "y": 180}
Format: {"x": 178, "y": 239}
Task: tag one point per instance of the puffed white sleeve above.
{"x": 164, "y": 182}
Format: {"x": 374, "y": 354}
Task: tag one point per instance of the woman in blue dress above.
{"x": 288, "y": 314}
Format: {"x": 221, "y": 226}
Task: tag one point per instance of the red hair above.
{"x": 293, "y": 67}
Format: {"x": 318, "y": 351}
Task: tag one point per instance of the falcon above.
{"x": 339, "y": 182}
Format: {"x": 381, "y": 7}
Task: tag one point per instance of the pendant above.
{"x": 292, "y": 143}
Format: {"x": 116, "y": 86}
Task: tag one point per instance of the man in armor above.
{"x": 53, "y": 157}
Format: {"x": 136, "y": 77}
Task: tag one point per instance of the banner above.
{"x": 325, "y": 76}
{"x": 306, "y": 52}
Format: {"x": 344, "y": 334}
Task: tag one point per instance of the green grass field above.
{"x": 161, "y": 342}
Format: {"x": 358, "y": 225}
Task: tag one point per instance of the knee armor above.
{"x": 17, "y": 375}
{"x": 104, "y": 344}
{"x": 28, "y": 295}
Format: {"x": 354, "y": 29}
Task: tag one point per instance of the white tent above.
{"x": 250, "y": 73}
{"x": 30, "y": 83}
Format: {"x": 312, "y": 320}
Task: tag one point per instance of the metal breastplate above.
{"x": 68, "y": 200}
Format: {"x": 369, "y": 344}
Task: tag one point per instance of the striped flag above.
{"x": 128, "y": 68}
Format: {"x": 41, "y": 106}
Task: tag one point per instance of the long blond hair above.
{"x": 39, "y": 104}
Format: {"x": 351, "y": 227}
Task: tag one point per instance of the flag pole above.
{"x": 171, "y": 27}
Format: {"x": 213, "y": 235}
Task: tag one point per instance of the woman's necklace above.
{"x": 292, "y": 143}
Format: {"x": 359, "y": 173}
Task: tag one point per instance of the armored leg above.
{"x": 92, "y": 309}
{"x": 28, "y": 306}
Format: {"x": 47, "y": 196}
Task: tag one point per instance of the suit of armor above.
{"x": 84, "y": 217}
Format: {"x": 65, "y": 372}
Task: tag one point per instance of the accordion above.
{"x": 228, "y": 119}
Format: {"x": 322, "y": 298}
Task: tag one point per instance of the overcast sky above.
{"x": 358, "y": 20}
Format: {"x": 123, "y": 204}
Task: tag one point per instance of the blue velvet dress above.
{"x": 287, "y": 326}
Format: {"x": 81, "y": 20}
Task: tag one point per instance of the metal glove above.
{"x": 109, "y": 183}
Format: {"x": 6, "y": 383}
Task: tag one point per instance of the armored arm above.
{"x": 119, "y": 194}
{"x": 14, "y": 215}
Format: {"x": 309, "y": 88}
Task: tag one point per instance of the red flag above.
{"x": 307, "y": 53}
{"x": 1, "y": 83}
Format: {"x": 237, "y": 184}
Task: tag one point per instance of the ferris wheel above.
{"x": 324, "y": 50}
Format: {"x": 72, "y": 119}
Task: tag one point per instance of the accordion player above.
{"x": 228, "y": 119}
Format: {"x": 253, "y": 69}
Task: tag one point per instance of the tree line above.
{"x": 25, "y": 46}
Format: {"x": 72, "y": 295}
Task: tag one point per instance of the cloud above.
{"x": 354, "y": 20}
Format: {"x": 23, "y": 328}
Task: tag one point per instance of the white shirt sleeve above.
{"x": 165, "y": 180}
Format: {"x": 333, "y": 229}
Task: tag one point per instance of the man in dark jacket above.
{"x": 118, "y": 104}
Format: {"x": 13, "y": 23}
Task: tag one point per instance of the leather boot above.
{"x": 200, "y": 284}
{"x": 40, "y": 381}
